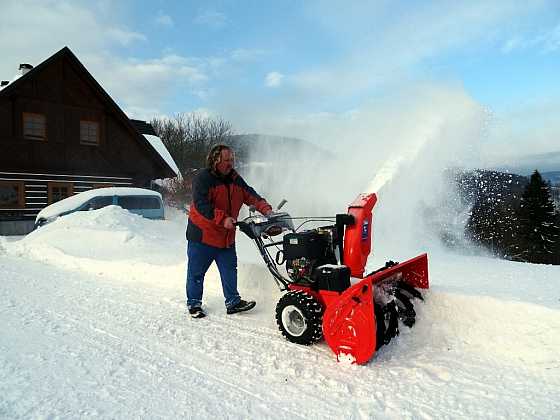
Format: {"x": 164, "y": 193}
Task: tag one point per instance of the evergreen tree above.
{"x": 538, "y": 230}
{"x": 556, "y": 258}
{"x": 509, "y": 231}
{"x": 490, "y": 225}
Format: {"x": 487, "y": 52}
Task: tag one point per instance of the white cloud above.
{"x": 552, "y": 40}
{"x": 142, "y": 113}
{"x": 32, "y": 37}
{"x": 203, "y": 94}
{"x": 145, "y": 84}
{"x": 528, "y": 129}
{"x": 124, "y": 37}
{"x": 378, "y": 45}
{"x": 243, "y": 54}
{"x": 546, "y": 41}
{"x": 164, "y": 19}
{"x": 211, "y": 18}
{"x": 204, "y": 113}
{"x": 92, "y": 33}
{"x": 513, "y": 44}
{"x": 381, "y": 45}
{"x": 274, "y": 79}
{"x": 199, "y": 112}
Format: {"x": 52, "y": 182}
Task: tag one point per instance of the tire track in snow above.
{"x": 89, "y": 335}
{"x": 142, "y": 356}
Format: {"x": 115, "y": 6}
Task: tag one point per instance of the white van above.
{"x": 146, "y": 203}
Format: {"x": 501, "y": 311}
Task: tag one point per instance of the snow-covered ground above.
{"x": 94, "y": 324}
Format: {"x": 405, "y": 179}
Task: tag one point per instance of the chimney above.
{"x": 4, "y": 83}
{"x": 24, "y": 68}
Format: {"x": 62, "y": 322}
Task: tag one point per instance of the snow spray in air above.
{"x": 398, "y": 148}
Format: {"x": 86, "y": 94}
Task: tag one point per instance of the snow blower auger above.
{"x": 328, "y": 294}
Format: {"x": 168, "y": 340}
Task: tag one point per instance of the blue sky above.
{"x": 265, "y": 64}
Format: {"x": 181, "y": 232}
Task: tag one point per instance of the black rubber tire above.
{"x": 305, "y": 308}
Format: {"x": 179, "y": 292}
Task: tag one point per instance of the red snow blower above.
{"x": 328, "y": 294}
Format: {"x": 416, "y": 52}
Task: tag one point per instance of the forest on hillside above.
{"x": 512, "y": 216}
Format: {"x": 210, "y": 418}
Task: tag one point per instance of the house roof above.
{"x": 158, "y": 145}
{"x": 111, "y": 104}
{"x": 146, "y": 129}
{"x": 143, "y": 127}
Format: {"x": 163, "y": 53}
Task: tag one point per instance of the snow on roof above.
{"x": 75, "y": 201}
{"x": 17, "y": 76}
{"x": 159, "y": 147}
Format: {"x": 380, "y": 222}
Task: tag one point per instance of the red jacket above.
{"x": 214, "y": 199}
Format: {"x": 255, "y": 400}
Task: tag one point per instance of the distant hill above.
{"x": 545, "y": 163}
{"x": 553, "y": 177}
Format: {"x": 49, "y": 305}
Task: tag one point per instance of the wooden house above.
{"x": 60, "y": 134}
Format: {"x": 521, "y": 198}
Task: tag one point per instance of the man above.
{"x": 218, "y": 194}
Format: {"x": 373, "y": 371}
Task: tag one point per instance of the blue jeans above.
{"x": 200, "y": 256}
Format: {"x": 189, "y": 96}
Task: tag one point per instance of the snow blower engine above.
{"x": 328, "y": 296}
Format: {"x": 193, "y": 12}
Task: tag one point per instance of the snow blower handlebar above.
{"x": 258, "y": 228}
{"x": 261, "y": 229}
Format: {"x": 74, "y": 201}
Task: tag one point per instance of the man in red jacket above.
{"x": 218, "y": 194}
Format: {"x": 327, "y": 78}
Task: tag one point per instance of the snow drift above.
{"x": 94, "y": 325}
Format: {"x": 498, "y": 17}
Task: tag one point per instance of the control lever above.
{"x": 281, "y": 204}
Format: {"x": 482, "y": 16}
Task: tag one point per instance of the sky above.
{"x": 306, "y": 69}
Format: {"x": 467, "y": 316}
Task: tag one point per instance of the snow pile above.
{"x": 115, "y": 243}
{"x": 119, "y": 345}
{"x": 110, "y": 240}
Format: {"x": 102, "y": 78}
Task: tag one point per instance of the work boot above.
{"x": 242, "y": 306}
{"x": 197, "y": 312}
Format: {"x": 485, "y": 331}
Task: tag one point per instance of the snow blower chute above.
{"x": 328, "y": 294}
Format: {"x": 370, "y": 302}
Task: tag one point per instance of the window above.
{"x": 100, "y": 202}
{"x": 59, "y": 191}
{"x": 12, "y": 195}
{"x": 89, "y": 132}
{"x": 34, "y": 126}
{"x": 138, "y": 203}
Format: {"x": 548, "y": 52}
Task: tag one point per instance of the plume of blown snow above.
{"x": 398, "y": 148}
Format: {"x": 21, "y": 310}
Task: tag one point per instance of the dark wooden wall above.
{"x": 62, "y": 93}
{"x": 36, "y": 187}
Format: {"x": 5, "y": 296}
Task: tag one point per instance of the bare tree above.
{"x": 189, "y": 136}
